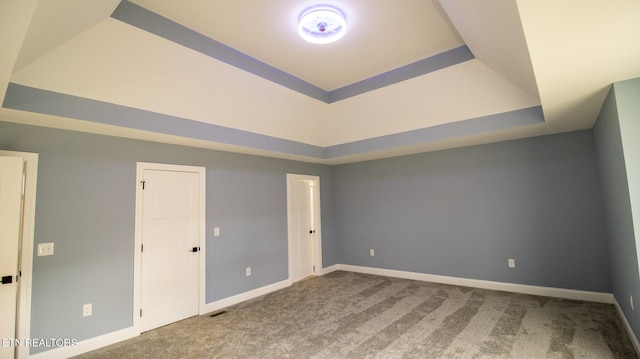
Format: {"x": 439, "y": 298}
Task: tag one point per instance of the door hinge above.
{"x": 143, "y": 182}
{"x": 142, "y": 248}
{"x": 314, "y": 269}
{"x": 140, "y": 313}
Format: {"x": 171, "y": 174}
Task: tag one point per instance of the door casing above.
{"x": 23, "y": 328}
{"x": 137, "y": 267}
{"x": 11, "y": 202}
{"x": 317, "y": 245}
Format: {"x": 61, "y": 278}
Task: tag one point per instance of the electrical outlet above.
{"x": 45, "y": 249}
{"x": 372, "y": 252}
{"x": 512, "y": 263}
{"x": 248, "y": 271}
{"x": 87, "y": 310}
{"x": 216, "y": 231}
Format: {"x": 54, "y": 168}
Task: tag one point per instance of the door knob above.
{"x": 194, "y": 249}
{"x": 7, "y": 279}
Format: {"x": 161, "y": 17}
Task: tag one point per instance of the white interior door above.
{"x": 11, "y": 170}
{"x": 301, "y": 230}
{"x": 170, "y": 247}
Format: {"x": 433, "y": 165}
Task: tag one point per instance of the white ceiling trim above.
{"x": 144, "y": 19}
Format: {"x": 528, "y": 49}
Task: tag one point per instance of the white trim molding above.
{"x": 242, "y": 297}
{"x": 597, "y": 297}
{"x": 86, "y": 346}
{"x": 111, "y": 338}
{"x": 23, "y": 325}
{"x": 627, "y": 326}
{"x": 327, "y": 270}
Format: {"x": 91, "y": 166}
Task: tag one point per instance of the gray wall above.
{"x": 621, "y": 105}
{"x": 460, "y": 212}
{"x": 464, "y": 212}
{"x": 86, "y": 205}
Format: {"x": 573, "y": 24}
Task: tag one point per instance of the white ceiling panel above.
{"x": 465, "y": 91}
{"x": 382, "y": 34}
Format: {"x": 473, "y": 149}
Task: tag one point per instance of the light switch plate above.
{"x": 45, "y": 249}
{"x": 216, "y": 231}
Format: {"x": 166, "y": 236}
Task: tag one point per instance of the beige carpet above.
{"x": 350, "y": 315}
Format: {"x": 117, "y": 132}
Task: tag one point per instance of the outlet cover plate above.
{"x": 45, "y": 249}
{"x": 87, "y": 310}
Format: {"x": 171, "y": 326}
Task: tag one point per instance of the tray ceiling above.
{"x": 409, "y": 76}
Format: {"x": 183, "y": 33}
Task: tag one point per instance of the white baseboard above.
{"x": 484, "y": 284}
{"x": 124, "y": 334}
{"x": 632, "y": 335}
{"x": 239, "y": 298}
{"x": 86, "y": 345}
{"x": 127, "y": 333}
{"x": 328, "y": 270}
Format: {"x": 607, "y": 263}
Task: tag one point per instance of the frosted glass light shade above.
{"x": 322, "y": 24}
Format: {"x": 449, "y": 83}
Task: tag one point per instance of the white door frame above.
{"x": 317, "y": 245}
{"x": 23, "y": 329}
{"x": 137, "y": 265}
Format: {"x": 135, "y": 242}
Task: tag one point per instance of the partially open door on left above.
{"x": 11, "y": 170}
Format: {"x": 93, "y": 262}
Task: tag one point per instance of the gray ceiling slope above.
{"x": 531, "y": 68}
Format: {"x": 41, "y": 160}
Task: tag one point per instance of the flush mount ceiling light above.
{"x": 322, "y": 24}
